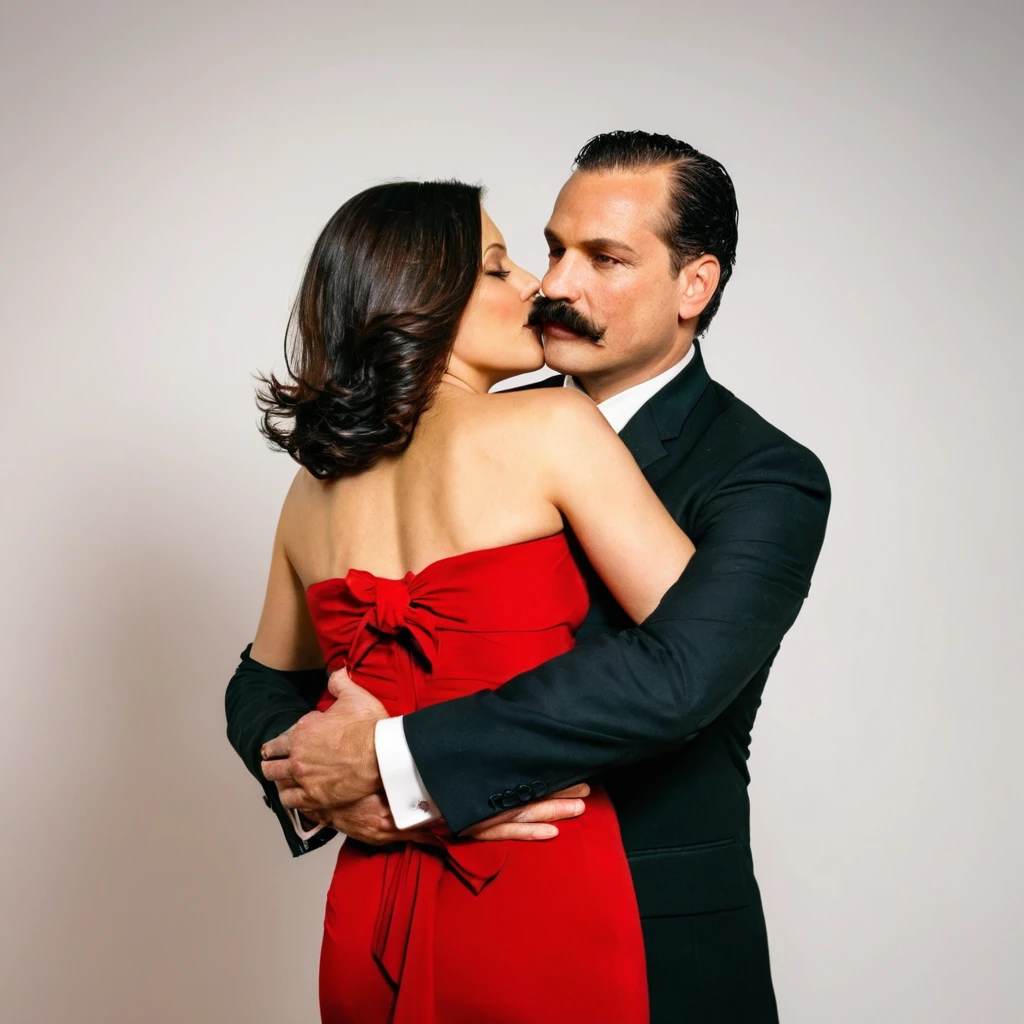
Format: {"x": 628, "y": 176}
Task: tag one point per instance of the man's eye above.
{"x": 606, "y": 260}
{"x": 554, "y": 254}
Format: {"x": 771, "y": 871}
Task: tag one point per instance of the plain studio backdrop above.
{"x": 165, "y": 170}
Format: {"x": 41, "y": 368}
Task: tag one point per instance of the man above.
{"x": 642, "y": 242}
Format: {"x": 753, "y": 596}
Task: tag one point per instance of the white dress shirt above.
{"x": 407, "y": 796}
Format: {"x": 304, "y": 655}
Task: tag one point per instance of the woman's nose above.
{"x": 530, "y": 287}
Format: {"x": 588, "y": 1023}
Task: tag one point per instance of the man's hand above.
{"x": 326, "y": 766}
{"x": 329, "y": 754}
{"x": 369, "y": 819}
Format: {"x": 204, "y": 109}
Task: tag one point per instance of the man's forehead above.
{"x": 610, "y": 203}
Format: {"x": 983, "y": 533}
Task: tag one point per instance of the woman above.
{"x": 422, "y": 547}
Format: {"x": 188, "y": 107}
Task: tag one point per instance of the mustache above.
{"x": 558, "y": 311}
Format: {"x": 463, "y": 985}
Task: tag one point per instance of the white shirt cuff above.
{"x": 407, "y": 796}
{"x": 305, "y": 833}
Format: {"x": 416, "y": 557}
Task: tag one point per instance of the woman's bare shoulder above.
{"x": 536, "y": 430}
{"x": 304, "y": 487}
{"x": 541, "y": 408}
{"x": 306, "y": 496}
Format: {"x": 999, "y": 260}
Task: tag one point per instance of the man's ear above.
{"x": 697, "y": 283}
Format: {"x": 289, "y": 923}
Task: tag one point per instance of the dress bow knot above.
{"x": 392, "y": 605}
{"x": 391, "y": 613}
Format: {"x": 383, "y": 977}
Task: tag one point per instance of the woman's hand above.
{"x": 534, "y": 820}
{"x": 369, "y": 819}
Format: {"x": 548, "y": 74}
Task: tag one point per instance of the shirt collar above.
{"x": 621, "y": 408}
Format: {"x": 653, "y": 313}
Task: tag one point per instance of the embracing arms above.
{"x": 625, "y": 697}
{"x": 758, "y": 528}
{"x": 589, "y": 475}
{"x": 271, "y": 693}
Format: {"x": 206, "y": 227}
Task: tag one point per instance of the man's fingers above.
{"x": 338, "y": 679}
{"x": 295, "y": 797}
{"x": 279, "y": 770}
{"x": 279, "y": 746}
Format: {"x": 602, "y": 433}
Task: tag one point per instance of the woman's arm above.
{"x": 630, "y": 539}
{"x": 285, "y": 638}
{"x": 280, "y": 676}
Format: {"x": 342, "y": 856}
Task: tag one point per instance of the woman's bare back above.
{"x": 472, "y": 477}
{"x": 482, "y": 471}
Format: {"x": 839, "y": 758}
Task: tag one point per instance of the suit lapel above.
{"x": 676, "y": 411}
{"x": 642, "y": 436}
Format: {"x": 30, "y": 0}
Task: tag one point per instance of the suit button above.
{"x": 266, "y": 799}
{"x": 539, "y": 789}
{"x": 525, "y": 793}
{"x": 509, "y": 798}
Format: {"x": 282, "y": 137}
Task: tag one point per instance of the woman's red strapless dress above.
{"x": 465, "y": 931}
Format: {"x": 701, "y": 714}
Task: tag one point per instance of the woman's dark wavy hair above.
{"x": 373, "y": 324}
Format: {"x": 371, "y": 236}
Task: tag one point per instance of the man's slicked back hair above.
{"x": 702, "y": 217}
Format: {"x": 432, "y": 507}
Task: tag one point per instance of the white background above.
{"x": 165, "y": 170}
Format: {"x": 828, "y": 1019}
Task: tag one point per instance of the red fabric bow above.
{"x": 390, "y": 612}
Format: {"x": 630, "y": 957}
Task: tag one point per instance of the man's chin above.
{"x": 577, "y": 356}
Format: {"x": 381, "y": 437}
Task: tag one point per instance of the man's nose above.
{"x": 561, "y": 281}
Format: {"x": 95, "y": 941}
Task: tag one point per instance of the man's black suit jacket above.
{"x": 661, "y": 712}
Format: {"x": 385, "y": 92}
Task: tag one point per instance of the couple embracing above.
{"x": 513, "y": 643}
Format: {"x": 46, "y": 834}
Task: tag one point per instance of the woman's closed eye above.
{"x": 503, "y": 274}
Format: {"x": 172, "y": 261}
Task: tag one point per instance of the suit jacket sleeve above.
{"x": 262, "y": 703}
{"x": 629, "y": 696}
